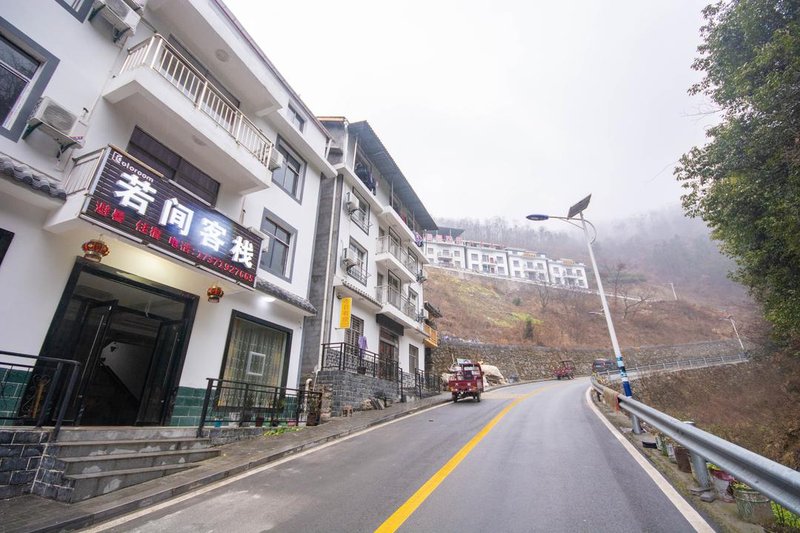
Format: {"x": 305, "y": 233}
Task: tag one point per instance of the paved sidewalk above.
{"x": 34, "y": 514}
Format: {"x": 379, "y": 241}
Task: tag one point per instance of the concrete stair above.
{"x": 95, "y": 461}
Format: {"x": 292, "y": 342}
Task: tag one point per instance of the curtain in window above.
{"x": 244, "y": 361}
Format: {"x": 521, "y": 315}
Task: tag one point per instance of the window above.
{"x": 296, "y": 118}
{"x": 413, "y": 359}
{"x": 5, "y": 242}
{"x": 359, "y": 271}
{"x": 25, "y": 70}
{"x": 289, "y": 176}
{"x": 355, "y": 331}
{"x": 430, "y": 250}
{"x": 276, "y": 258}
{"x": 257, "y": 352}
{"x": 361, "y": 215}
{"x": 147, "y": 149}
{"x": 473, "y": 257}
{"x": 77, "y": 8}
{"x": 456, "y": 253}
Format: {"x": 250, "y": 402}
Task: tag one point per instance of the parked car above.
{"x": 603, "y": 365}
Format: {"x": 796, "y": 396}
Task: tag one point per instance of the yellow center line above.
{"x": 407, "y": 509}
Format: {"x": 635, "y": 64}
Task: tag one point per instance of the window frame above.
{"x": 13, "y": 125}
{"x": 296, "y": 118}
{"x": 288, "y": 152}
{"x": 80, "y": 12}
{"x": 287, "y": 352}
{"x": 288, "y": 268}
{"x": 5, "y": 242}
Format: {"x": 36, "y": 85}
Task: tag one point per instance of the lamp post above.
{"x": 733, "y": 323}
{"x": 578, "y": 209}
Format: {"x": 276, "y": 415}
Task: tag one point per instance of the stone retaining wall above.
{"x": 537, "y": 362}
{"x": 21, "y": 453}
{"x": 353, "y": 389}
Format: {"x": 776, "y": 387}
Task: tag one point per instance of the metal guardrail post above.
{"x": 704, "y": 488}
{"x": 49, "y": 397}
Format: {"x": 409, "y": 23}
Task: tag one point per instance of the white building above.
{"x": 446, "y": 247}
{"x": 170, "y": 133}
{"x": 369, "y": 255}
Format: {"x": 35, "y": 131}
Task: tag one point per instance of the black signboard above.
{"x": 129, "y": 198}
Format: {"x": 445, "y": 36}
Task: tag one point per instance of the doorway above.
{"x": 130, "y": 336}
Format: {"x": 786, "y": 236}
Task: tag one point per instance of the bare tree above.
{"x": 634, "y": 303}
{"x": 544, "y": 294}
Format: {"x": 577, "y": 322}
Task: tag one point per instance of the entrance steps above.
{"x": 88, "y": 462}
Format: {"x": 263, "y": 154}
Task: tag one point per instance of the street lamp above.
{"x": 733, "y": 323}
{"x": 578, "y": 209}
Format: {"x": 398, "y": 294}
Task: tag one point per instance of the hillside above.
{"x": 496, "y": 311}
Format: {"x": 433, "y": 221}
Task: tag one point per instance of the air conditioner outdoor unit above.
{"x": 119, "y": 13}
{"x": 55, "y": 120}
{"x": 351, "y": 204}
{"x": 275, "y": 160}
{"x": 349, "y": 262}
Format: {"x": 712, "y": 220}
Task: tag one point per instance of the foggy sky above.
{"x": 507, "y": 107}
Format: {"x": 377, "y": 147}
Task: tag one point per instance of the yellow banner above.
{"x": 344, "y": 315}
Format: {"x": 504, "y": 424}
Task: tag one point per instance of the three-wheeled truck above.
{"x": 466, "y": 379}
{"x": 564, "y": 370}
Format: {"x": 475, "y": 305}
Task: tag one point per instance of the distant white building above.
{"x": 445, "y": 247}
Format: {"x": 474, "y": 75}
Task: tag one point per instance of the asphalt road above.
{"x": 547, "y": 464}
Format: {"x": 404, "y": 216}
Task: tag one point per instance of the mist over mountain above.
{"x": 654, "y": 250}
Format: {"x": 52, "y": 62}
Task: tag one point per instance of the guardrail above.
{"x": 678, "y": 364}
{"x": 778, "y": 482}
{"x": 37, "y": 392}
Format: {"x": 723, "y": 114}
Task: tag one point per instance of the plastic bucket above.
{"x": 683, "y": 460}
{"x": 752, "y": 506}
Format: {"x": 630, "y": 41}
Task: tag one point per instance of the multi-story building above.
{"x": 448, "y": 250}
{"x": 159, "y": 197}
{"x": 568, "y": 273}
{"x": 446, "y": 247}
{"x": 369, "y": 257}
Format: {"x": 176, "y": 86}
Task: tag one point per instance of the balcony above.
{"x": 175, "y": 103}
{"x": 391, "y": 254}
{"x": 398, "y": 307}
{"x": 432, "y": 340}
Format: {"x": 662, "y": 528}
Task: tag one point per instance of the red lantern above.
{"x": 215, "y": 294}
{"x": 94, "y": 250}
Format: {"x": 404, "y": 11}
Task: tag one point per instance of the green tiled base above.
{"x": 12, "y": 387}
{"x": 188, "y": 406}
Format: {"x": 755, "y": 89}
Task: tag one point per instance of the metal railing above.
{"x": 38, "y": 391}
{"x": 775, "y": 480}
{"x": 247, "y": 404}
{"x": 157, "y": 54}
{"x": 638, "y": 371}
{"x": 83, "y": 171}
{"x": 387, "y": 294}
{"x": 394, "y": 248}
{"x": 351, "y": 358}
{"x": 427, "y": 383}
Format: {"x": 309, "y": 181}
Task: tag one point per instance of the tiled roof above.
{"x": 284, "y": 295}
{"x": 12, "y": 169}
{"x": 361, "y": 293}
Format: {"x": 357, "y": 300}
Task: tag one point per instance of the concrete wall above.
{"x": 536, "y": 362}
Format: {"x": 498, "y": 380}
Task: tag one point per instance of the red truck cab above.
{"x": 466, "y": 379}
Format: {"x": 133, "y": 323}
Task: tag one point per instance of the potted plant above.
{"x": 721, "y": 481}
{"x": 751, "y": 505}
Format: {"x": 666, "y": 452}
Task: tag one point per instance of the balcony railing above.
{"x": 157, "y": 54}
{"x": 351, "y": 358}
{"x": 386, "y": 294}
{"x": 433, "y": 336}
{"x": 388, "y": 245}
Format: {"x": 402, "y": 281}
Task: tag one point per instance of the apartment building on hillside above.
{"x": 369, "y": 258}
{"x": 447, "y": 248}
{"x": 159, "y": 191}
